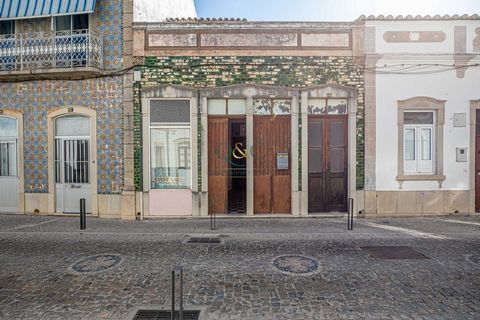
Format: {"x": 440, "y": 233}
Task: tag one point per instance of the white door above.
{"x": 9, "y": 187}
{"x": 72, "y": 169}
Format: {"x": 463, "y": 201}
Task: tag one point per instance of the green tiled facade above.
{"x": 218, "y": 71}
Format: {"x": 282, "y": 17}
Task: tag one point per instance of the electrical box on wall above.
{"x": 461, "y": 154}
{"x": 459, "y": 119}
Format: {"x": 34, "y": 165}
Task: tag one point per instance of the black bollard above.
{"x": 350, "y": 214}
{"x": 83, "y": 215}
{"x": 173, "y": 296}
{"x": 213, "y": 221}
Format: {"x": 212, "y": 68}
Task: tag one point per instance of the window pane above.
{"x": 409, "y": 144}
{"x": 170, "y": 158}
{"x": 72, "y": 126}
{"x": 237, "y": 106}
{"x": 217, "y": 106}
{"x": 281, "y": 106}
{"x": 8, "y": 159}
{"x": 262, "y": 106}
{"x": 63, "y": 23}
{"x": 336, "y": 106}
{"x": 7, "y": 27}
{"x": 418, "y": 117}
{"x": 8, "y": 127}
{"x": 317, "y": 106}
{"x": 426, "y": 136}
{"x": 80, "y": 22}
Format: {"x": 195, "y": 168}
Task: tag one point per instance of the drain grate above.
{"x": 394, "y": 252}
{"x": 203, "y": 240}
{"x": 165, "y": 315}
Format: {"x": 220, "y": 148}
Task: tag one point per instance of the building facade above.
{"x": 422, "y": 94}
{"x": 64, "y": 109}
{"x": 249, "y": 118}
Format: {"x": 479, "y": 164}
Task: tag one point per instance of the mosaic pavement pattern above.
{"x": 296, "y": 264}
{"x": 96, "y": 263}
{"x": 236, "y": 279}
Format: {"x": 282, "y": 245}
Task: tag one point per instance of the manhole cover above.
{"x": 296, "y": 264}
{"x": 474, "y": 258}
{"x": 203, "y": 240}
{"x": 96, "y": 263}
{"x": 393, "y": 252}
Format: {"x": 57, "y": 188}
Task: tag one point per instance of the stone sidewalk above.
{"x": 262, "y": 269}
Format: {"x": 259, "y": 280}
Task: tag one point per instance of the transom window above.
{"x": 227, "y": 106}
{"x": 327, "y": 106}
{"x": 418, "y": 141}
{"x": 272, "y": 106}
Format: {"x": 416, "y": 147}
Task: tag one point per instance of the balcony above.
{"x": 51, "y": 54}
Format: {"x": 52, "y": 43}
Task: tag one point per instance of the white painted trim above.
{"x": 51, "y": 116}
{"x": 18, "y": 115}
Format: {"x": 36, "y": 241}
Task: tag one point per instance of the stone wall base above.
{"x": 120, "y": 206}
{"x": 410, "y": 203}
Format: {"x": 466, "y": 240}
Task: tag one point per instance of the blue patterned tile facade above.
{"x": 105, "y": 95}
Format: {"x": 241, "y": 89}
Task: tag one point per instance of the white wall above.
{"x": 443, "y": 86}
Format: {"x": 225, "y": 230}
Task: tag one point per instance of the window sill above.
{"x": 421, "y": 177}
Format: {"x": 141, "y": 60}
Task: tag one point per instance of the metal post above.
{"x": 83, "y": 215}
{"x": 173, "y": 296}
{"x": 213, "y": 221}
{"x": 181, "y": 293}
{"x": 350, "y": 214}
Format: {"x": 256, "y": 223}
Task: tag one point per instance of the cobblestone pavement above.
{"x": 236, "y": 279}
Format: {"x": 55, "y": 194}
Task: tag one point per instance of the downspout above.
{"x": 141, "y": 147}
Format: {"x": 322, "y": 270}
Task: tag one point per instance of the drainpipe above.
{"x": 139, "y": 82}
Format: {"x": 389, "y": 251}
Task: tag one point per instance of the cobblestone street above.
{"x": 309, "y": 268}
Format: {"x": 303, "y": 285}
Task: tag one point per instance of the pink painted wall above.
{"x": 170, "y": 202}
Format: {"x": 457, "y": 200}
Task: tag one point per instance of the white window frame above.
{"x": 422, "y": 104}
{"x": 419, "y": 165}
{"x": 10, "y": 139}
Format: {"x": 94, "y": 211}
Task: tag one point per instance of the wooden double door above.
{"x": 327, "y": 163}
{"x": 272, "y": 164}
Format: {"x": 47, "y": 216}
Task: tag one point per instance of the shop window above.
{"x": 170, "y": 156}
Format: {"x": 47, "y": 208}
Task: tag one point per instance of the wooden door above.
{"x": 272, "y": 186}
{"x": 327, "y": 164}
{"x": 218, "y": 158}
{"x": 477, "y": 163}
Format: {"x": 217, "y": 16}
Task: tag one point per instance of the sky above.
{"x": 329, "y": 10}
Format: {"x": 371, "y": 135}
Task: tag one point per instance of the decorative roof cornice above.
{"x": 189, "y": 20}
{"x": 419, "y": 17}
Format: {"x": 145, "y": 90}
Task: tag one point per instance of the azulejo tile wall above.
{"x": 289, "y": 71}
{"x": 36, "y": 98}
{"x": 105, "y": 95}
{"x": 111, "y": 28}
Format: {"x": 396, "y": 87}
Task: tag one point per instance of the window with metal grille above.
{"x": 8, "y": 147}
{"x": 169, "y": 111}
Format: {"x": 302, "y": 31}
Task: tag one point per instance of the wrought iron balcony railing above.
{"x": 51, "y": 50}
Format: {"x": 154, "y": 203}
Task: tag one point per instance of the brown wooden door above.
{"x": 217, "y": 164}
{"x": 272, "y": 187}
{"x": 477, "y": 163}
{"x": 327, "y": 163}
